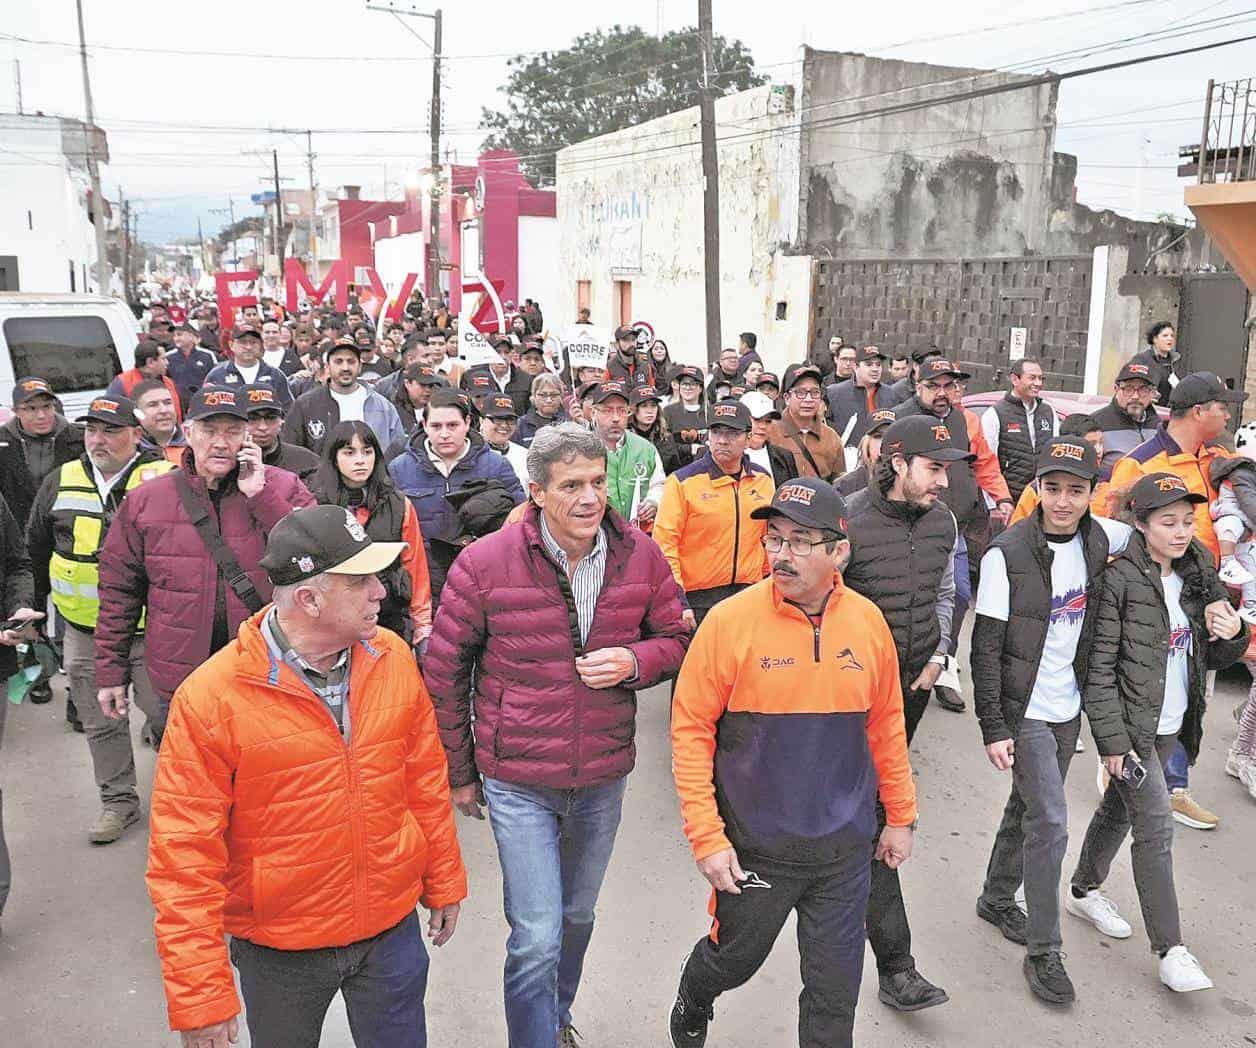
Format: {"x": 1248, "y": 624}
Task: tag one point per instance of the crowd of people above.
{"x": 355, "y": 585}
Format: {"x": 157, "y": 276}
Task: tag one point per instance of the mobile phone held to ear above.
{"x": 1133, "y": 772}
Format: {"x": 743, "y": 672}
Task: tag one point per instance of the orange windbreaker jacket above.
{"x": 783, "y": 732}
{"x": 267, "y": 826}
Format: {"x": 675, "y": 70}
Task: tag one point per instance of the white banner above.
{"x": 587, "y": 346}
{"x": 473, "y": 347}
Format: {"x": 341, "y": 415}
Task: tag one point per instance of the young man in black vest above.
{"x": 903, "y": 542}
{"x": 1018, "y": 425}
{"x": 853, "y": 403}
{"x": 1028, "y": 656}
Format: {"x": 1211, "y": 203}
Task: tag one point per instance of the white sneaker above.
{"x": 1232, "y": 763}
{"x": 1233, "y": 573}
{"x": 1247, "y": 775}
{"x": 1019, "y": 899}
{"x": 1100, "y": 911}
{"x": 1248, "y": 614}
{"x": 1080, "y": 745}
{"x": 1180, "y": 972}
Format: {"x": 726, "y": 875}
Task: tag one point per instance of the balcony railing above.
{"x": 1227, "y": 152}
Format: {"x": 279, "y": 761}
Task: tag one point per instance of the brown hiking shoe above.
{"x": 112, "y": 824}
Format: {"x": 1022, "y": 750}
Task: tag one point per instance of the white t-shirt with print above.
{"x": 1056, "y": 697}
{"x": 1177, "y": 670}
{"x": 351, "y": 404}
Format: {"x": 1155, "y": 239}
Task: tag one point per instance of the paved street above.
{"x": 77, "y": 963}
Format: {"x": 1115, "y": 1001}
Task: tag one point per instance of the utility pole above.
{"x": 125, "y": 245}
{"x": 17, "y": 73}
{"x": 279, "y": 234}
{"x": 433, "y": 254}
{"x": 93, "y": 169}
{"x": 710, "y": 190}
{"x": 309, "y": 160}
{"x": 229, "y": 210}
{"x": 200, "y": 236}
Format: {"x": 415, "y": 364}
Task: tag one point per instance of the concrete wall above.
{"x": 630, "y": 209}
{"x": 538, "y": 260}
{"x": 921, "y": 183}
{"x": 43, "y": 210}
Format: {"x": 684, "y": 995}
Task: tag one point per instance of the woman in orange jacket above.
{"x": 354, "y": 475}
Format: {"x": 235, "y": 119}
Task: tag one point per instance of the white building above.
{"x": 47, "y": 241}
{"x": 630, "y": 220}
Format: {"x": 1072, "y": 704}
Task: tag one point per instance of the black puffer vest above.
{"x": 1124, "y": 687}
{"x": 1017, "y": 454}
{"x": 1003, "y": 680}
{"x": 898, "y": 556}
{"x": 963, "y": 496}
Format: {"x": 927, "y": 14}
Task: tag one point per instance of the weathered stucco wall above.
{"x": 950, "y": 180}
{"x": 630, "y": 209}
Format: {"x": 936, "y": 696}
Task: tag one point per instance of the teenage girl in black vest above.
{"x": 354, "y": 475}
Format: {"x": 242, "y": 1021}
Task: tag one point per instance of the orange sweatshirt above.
{"x": 783, "y": 732}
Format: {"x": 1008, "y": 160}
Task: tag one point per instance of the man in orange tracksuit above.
{"x": 301, "y": 806}
{"x": 704, "y": 525}
{"x": 787, "y": 721}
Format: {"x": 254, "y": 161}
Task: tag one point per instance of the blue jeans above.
{"x": 554, "y": 847}
{"x": 963, "y": 592}
{"x": 1176, "y": 769}
{"x": 383, "y": 979}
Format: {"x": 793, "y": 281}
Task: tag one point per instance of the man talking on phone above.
{"x": 186, "y": 546}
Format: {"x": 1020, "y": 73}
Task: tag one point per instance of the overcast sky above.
{"x": 149, "y": 88}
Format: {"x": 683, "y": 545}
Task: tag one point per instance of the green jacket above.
{"x": 633, "y": 473}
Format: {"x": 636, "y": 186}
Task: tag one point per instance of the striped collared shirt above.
{"x": 331, "y": 688}
{"x": 586, "y": 580}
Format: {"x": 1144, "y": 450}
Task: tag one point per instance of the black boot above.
{"x": 910, "y": 991}
{"x": 72, "y": 717}
{"x": 688, "y": 1022}
{"x": 949, "y": 699}
{"x": 40, "y": 692}
{"x": 1009, "y": 920}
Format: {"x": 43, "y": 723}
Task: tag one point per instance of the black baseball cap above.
{"x": 919, "y": 356}
{"x": 1203, "y": 387}
{"x": 641, "y": 394}
{"x": 347, "y": 343}
{"x": 216, "y": 400}
{"x": 318, "y": 539}
{"x": 112, "y": 411}
{"x": 623, "y": 331}
{"x": 800, "y": 371}
{"x": 448, "y": 397}
{"x": 423, "y": 375}
{"x": 1157, "y": 490}
{"x": 807, "y": 501}
{"x": 531, "y": 347}
{"x": 880, "y": 419}
{"x": 869, "y": 353}
{"x": 260, "y": 397}
{"x": 732, "y": 414}
{"x": 1133, "y": 371}
{"x": 25, "y": 388}
{"x": 937, "y": 367}
{"x": 586, "y": 388}
{"x": 606, "y": 390}
{"x": 248, "y": 331}
{"x": 768, "y": 378}
{"x": 922, "y": 435}
{"x": 1068, "y": 455}
{"x": 688, "y": 371}
{"x": 500, "y": 406}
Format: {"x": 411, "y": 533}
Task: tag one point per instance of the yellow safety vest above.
{"x": 74, "y": 574}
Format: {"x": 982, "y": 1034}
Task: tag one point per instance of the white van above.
{"x": 77, "y": 343}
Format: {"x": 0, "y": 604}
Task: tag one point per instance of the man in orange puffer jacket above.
{"x": 301, "y": 806}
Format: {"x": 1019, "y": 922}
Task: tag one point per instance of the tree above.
{"x": 242, "y": 228}
{"x": 606, "y": 81}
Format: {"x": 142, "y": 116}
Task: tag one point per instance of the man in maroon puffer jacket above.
{"x": 154, "y": 556}
{"x": 563, "y": 617}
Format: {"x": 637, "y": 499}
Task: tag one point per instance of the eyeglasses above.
{"x": 805, "y": 394}
{"x": 548, "y": 396}
{"x": 938, "y": 387}
{"x": 797, "y": 546}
